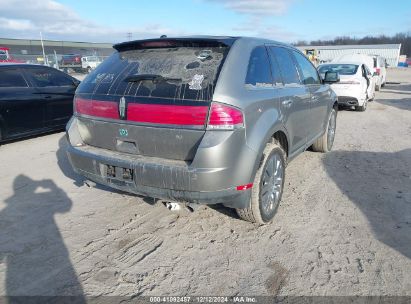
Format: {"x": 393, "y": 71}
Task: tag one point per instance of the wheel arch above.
{"x": 278, "y": 133}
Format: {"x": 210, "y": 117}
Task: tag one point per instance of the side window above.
{"x": 49, "y": 78}
{"x": 286, "y": 64}
{"x": 275, "y": 70}
{"x": 12, "y": 78}
{"x": 309, "y": 73}
{"x": 259, "y": 73}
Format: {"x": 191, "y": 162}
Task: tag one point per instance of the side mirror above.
{"x": 331, "y": 77}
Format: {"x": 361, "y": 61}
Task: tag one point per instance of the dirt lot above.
{"x": 343, "y": 227}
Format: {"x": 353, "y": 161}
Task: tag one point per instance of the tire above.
{"x": 362, "y": 108}
{"x": 372, "y": 97}
{"x": 267, "y": 189}
{"x": 89, "y": 70}
{"x": 325, "y": 143}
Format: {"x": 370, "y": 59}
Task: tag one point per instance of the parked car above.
{"x": 379, "y": 69}
{"x": 33, "y": 99}
{"x": 89, "y": 63}
{"x": 355, "y": 87}
{"x": 6, "y": 57}
{"x": 201, "y": 120}
{"x": 70, "y": 59}
{"x": 363, "y": 59}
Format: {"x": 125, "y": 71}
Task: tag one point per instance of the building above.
{"x": 325, "y": 53}
{"x": 30, "y": 50}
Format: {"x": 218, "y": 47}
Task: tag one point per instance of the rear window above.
{"x": 176, "y": 72}
{"x": 342, "y": 69}
{"x": 44, "y": 77}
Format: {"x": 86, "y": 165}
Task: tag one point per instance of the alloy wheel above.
{"x": 272, "y": 184}
{"x": 331, "y": 130}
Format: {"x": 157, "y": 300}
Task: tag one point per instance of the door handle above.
{"x": 47, "y": 96}
{"x": 287, "y": 103}
{"x": 314, "y": 98}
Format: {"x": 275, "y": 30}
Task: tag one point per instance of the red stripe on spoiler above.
{"x": 167, "y": 114}
{"x": 145, "y": 113}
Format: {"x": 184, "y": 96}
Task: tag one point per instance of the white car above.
{"x": 90, "y": 62}
{"x": 356, "y": 86}
{"x": 368, "y": 60}
{"x": 380, "y": 70}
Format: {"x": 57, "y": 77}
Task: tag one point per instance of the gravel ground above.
{"x": 343, "y": 227}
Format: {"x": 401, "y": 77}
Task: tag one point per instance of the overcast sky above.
{"x": 283, "y": 20}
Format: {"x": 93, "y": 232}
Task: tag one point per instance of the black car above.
{"x": 34, "y": 99}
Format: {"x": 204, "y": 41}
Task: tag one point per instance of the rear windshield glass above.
{"x": 342, "y": 69}
{"x": 178, "y": 73}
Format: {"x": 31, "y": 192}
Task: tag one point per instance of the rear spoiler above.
{"x": 174, "y": 42}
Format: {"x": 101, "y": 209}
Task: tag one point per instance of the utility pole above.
{"x": 42, "y": 47}
{"x": 129, "y": 36}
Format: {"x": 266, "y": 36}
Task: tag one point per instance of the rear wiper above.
{"x": 153, "y": 77}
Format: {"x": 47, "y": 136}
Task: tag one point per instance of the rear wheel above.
{"x": 325, "y": 143}
{"x": 267, "y": 187}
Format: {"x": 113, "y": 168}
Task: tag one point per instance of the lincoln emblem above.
{"x": 122, "y": 108}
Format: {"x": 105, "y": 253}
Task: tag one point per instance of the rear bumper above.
{"x": 168, "y": 179}
{"x": 347, "y": 101}
{"x": 349, "y": 95}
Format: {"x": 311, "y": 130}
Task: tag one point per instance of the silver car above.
{"x": 201, "y": 120}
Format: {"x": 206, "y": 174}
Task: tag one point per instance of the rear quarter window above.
{"x": 258, "y": 72}
{"x": 188, "y": 72}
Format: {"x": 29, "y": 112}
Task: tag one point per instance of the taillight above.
{"x": 167, "y": 114}
{"x": 224, "y": 117}
{"x": 378, "y": 70}
{"x": 97, "y": 108}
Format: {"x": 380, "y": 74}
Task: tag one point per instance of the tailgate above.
{"x": 161, "y": 130}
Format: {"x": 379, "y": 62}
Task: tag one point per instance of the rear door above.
{"x": 57, "y": 91}
{"x": 21, "y": 108}
{"x": 319, "y": 96}
{"x": 151, "y": 97}
{"x": 294, "y": 98}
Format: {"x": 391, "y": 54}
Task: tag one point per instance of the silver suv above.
{"x": 201, "y": 120}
